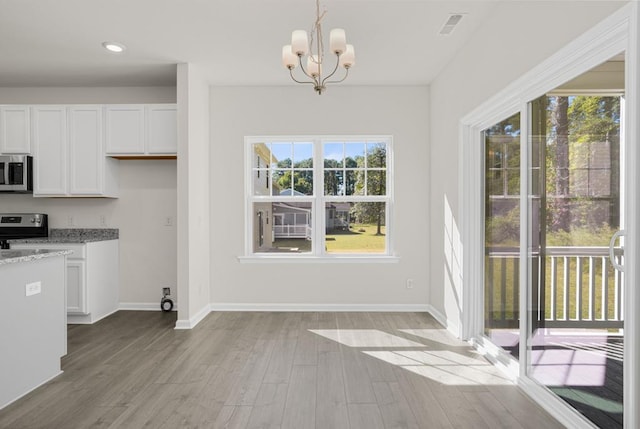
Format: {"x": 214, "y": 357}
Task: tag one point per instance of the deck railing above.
{"x": 292, "y": 231}
{"x": 581, "y": 288}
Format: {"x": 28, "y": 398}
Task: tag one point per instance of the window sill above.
{"x": 360, "y": 259}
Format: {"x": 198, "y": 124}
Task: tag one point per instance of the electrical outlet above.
{"x": 33, "y": 288}
{"x": 409, "y": 283}
{"x": 70, "y": 221}
{"x": 103, "y": 220}
{"x": 168, "y": 221}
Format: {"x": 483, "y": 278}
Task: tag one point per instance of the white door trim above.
{"x": 612, "y": 36}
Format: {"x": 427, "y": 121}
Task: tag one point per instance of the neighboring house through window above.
{"x": 319, "y": 196}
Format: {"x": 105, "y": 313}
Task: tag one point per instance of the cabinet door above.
{"x": 50, "y": 150}
{"x": 15, "y": 132}
{"x": 162, "y": 130}
{"x": 76, "y": 287}
{"x": 125, "y": 129}
{"x": 86, "y": 155}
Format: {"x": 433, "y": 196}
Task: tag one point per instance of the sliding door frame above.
{"x": 616, "y": 34}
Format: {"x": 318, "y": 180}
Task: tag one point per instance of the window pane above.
{"x": 376, "y": 155}
{"x": 261, "y": 182}
{"x": 495, "y": 154}
{"x": 354, "y": 182}
{"x": 354, "y": 155}
{"x": 282, "y": 182}
{"x": 303, "y": 182}
{"x": 355, "y": 227}
{"x": 282, "y": 227}
{"x": 261, "y": 156}
{"x": 513, "y": 184}
{"x": 303, "y": 155}
{"x": 333, "y": 154}
{"x": 495, "y": 182}
{"x": 334, "y": 182}
{"x": 281, "y": 154}
{"x": 376, "y": 182}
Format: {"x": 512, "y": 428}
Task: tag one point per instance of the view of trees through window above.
{"x": 579, "y": 178}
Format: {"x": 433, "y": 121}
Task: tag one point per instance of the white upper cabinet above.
{"x": 69, "y": 153}
{"x": 50, "y": 150}
{"x": 125, "y": 131}
{"x": 162, "y": 129}
{"x": 141, "y": 130}
{"x": 15, "y": 130}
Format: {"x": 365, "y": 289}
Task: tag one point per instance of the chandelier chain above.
{"x": 317, "y": 30}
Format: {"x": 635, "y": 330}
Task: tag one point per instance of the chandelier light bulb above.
{"x": 300, "y": 42}
{"x": 337, "y": 41}
{"x": 289, "y": 59}
{"x": 348, "y": 59}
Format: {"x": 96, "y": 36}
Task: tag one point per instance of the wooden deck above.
{"x": 278, "y": 370}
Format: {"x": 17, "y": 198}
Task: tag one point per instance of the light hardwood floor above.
{"x": 273, "y": 370}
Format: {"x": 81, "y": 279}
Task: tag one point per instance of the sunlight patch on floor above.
{"x": 365, "y": 338}
{"x": 443, "y": 366}
{"x": 441, "y": 336}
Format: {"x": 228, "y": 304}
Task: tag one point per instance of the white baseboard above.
{"x": 192, "y": 322}
{"x": 86, "y": 319}
{"x": 437, "y": 315}
{"x": 143, "y": 306}
{"x": 318, "y": 307}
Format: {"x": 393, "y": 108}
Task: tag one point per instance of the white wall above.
{"x": 147, "y": 198}
{"x": 194, "y": 196}
{"x": 518, "y": 36}
{"x": 398, "y": 111}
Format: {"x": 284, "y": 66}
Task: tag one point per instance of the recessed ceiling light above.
{"x": 114, "y": 47}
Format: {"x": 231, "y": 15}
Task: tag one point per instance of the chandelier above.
{"x": 309, "y": 49}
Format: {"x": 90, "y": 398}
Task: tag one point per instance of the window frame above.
{"x": 318, "y": 201}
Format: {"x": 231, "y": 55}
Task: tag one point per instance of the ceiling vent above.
{"x": 451, "y": 24}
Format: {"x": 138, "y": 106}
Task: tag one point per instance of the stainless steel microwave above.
{"x": 16, "y": 173}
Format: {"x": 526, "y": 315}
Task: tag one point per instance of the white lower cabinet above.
{"x": 92, "y": 278}
{"x": 76, "y": 302}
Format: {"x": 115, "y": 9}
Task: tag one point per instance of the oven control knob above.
{"x": 33, "y": 220}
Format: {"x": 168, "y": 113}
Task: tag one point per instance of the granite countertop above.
{"x": 74, "y": 235}
{"x": 14, "y": 256}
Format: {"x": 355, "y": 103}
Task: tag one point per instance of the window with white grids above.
{"x": 318, "y": 196}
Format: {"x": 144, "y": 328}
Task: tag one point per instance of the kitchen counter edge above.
{"x": 14, "y": 256}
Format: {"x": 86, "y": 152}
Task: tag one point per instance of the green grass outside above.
{"x": 360, "y": 238}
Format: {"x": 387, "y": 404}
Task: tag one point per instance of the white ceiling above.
{"x": 238, "y": 42}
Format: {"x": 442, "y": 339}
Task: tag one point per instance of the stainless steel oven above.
{"x": 16, "y": 173}
{"x": 22, "y": 225}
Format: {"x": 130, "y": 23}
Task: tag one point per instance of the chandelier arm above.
{"x": 337, "y": 81}
{"x": 315, "y": 80}
{"x": 335, "y": 69}
{"x": 299, "y": 81}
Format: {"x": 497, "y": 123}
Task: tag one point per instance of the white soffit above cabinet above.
{"x": 59, "y": 43}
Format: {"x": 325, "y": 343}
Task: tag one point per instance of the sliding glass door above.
{"x": 502, "y": 234}
{"x": 575, "y": 344}
{"x": 553, "y": 285}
